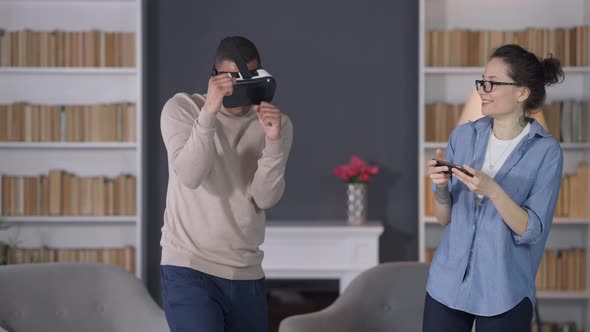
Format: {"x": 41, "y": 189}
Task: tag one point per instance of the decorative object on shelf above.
{"x": 356, "y": 203}
{"x": 357, "y": 173}
{"x": 3, "y": 246}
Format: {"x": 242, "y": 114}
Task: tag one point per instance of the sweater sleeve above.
{"x": 188, "y": 135}
{"x": 269, "y": 180}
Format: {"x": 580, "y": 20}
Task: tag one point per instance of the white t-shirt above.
{"x": 498, "y": 151}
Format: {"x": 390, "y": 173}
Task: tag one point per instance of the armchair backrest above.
{"x": 75, "y": 297}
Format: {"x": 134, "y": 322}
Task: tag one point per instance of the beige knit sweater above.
{"x": 223, "y": 174}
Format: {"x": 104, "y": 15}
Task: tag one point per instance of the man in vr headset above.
{"x": 227, "y": 153}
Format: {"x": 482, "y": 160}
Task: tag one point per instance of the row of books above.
{"x": 122, "y": 257}
{"x": 573, "y": 197}
{"x": 24, "y": 122}
{"x": 64, "y": 194}
{"x": 568, "y": 120}
{"x": 575, "y": 194}
{"x": 560, "y": 269}
{"x": 463, "y": 47}
{"x": 27, "y": 48}
{"x": 555, "y": 327}
{"x": 439, "y": 120}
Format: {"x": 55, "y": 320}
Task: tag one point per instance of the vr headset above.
{"x": 251, "y": 87}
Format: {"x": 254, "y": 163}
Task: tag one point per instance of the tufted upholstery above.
{"x": 388, "y": 297}
{"x": 64, "y": 297}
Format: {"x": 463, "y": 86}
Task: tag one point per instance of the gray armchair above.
{"x": 388, "y": 297}
{"x": 65, "y": 297}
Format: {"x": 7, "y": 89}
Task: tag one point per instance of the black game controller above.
{"x": 451, "y": 166}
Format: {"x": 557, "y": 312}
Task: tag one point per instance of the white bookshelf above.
{"x": 455, "y": 84}
{"x": 67, "y": 86}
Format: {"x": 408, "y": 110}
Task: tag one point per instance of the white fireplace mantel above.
{"x": 320, "y": 250}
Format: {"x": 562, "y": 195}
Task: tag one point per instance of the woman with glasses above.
{"x": 497, "y": 221}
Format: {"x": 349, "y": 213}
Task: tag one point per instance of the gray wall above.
{"x": 347, "y": 75}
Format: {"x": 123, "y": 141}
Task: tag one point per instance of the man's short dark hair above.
{"x": 245, "y": 47}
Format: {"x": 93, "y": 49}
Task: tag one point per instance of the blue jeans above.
{"x": 198, "y": 302}
{"x": 440, "y": 318}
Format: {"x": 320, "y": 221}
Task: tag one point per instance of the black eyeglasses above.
{"x": 488, "y": 86}
{"x": 215, "y": 72}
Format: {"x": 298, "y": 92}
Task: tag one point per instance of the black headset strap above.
{"x": 239, "y": 60}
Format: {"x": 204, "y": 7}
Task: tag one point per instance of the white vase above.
{"x": 356, "y": 203}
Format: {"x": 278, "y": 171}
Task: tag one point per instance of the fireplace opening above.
{"x": 294, "y": 297}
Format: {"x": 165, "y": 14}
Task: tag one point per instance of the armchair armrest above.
{"x": 330, "y": 319}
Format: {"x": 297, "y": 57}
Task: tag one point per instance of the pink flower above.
{"x": 357, "y": 162}
{"x": 341, "y": 173}
{"x": 357, "y": 170}
{"x": 374, "y": 170}
{"x": 353, "y": 171}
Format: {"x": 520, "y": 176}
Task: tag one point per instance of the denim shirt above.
{"x": 481, "y": 266}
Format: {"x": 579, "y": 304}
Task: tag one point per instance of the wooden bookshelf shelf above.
{"x": 479, "y": 70}
{"x": 565, "y": 146}
{"x": 69, "y": 145}
{"x": 560, "y": 221}
{"x": 574, "y": 146}
{"x": 429, "y": 220}
{"x": 571, "y": 221}
{"x": 435, "y": 145}
{"x": 67, "y": 2}
{"x": 70, "y": 219}
{"x": 69, "y": 70}
{"x": 563, "y": 295}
